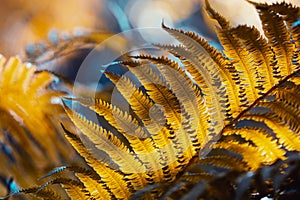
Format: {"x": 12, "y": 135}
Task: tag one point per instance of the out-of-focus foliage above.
{"x": 30, "y": 133}
{"x": 25, "y": 22}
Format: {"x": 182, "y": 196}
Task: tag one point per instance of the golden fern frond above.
{"x": 105, "y": 140}
{"x": 183, "y": 89}
{"x": 159, "y": 92}
{"x": 270, "y": 126}
{"x": 89, "y": 178}
{"x": 179, "y": 129}
{"x": 265, "y": 144}
{"x": 279, "y": 37}
{"x": 139, "y": 102}
{"x": 179, "y": 83}
{"x": 20, "y": 81}
{"x": 247, "y": 151}
{"x": 286, "y": 113}
{"x": 290, "y": 15}
{"x": 241, "y": 60}
{"x": 95, "y": 188}
{"x": 144, "y": 148}
{"x": 285, "y": 135}
{"x": 261, "y": 53}
{"x": 203, "y": 68}
{"x": 75, "y": 189}
{"x": 228, "y": 74}
{"x": 120, "y": 120}
{"x": 114, "y": 180}
{"x": 223, "y": 161}
{"x": 149, "y": 150}
{"x": 136, "y": 178}
{"x": 29, "y": 122}
{"x": 289, "y": 96}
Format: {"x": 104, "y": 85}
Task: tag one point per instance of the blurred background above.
{"x": 26, "y": 22}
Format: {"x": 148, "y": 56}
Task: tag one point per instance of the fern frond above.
{"x": 228, "y": 75}
{"x": 286, "y": 113}
{"x": 261, "y": 53}
{"x": 75, "y": 189}
{"x": 161, "y": 94}
{"x": 29, "y": 122}
{"x": 164, "y": 145}
{"x": 182, "y": 87}
{"x": 96, "y": 189}
{"x": 279, "y": 37}
{"x": 265, "y": 144}
{"x": 202, "y": 68}
{"x": 235, "y": 51}
{"x": 121, "y": 120}
{"x": 223, "y": 161}
{"x": 105, "y": 140}
{"x": 160, "y": 147}
{"x": 291, "y": 15}
{"x": 289, "y": 97}
{"x": 114, "y": 180}
{"x": 179, "y": 83}
{"x": 247, "y": 151}
{"x": 285, "y": 135}
{"x": 157, "y": 90}
{"x": 144, "y": 148}
{"x": 90, "y": 179}
{"x": 138, "y": 101}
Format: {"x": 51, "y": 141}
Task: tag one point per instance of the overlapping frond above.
{"x": 261, "y": 53}
{"x": 279, "y": 38}
{"x": 269, "y": 129}
{"x": 279, "y": 180}
{"x": 290, "y": 14}
{"x": 241, "y": 60}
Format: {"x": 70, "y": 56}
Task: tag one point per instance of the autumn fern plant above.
{"x": 30, "y": 138}
{"x": 204, "y": 123}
